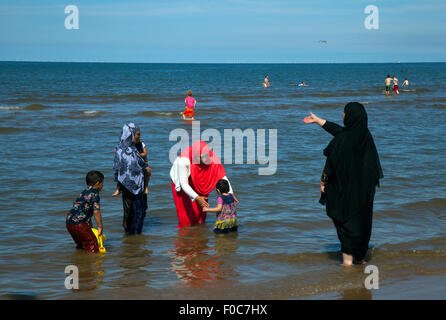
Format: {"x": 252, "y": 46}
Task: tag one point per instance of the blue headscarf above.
{"x": 128, "y": 163}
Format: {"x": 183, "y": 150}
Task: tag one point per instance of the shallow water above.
{"x": 60, "y": 120}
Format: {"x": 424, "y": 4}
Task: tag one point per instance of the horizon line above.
{"x": 234, "y": 62}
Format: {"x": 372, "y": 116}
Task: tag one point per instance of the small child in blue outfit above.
{"x": 226, "y": 213}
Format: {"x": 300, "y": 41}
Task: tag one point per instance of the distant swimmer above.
{"x": 395, "y": 85}
{"x": 302, "y": 84}
{"x": 388, "y": 84}
{"x": 405, "y": 83}
{"x": 190, "y": 104}
{"x": 265, "y": 83}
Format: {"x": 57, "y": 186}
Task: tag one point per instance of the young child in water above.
{"x": 190, "y": 104}
{"x": 78, "y": 220}
{"x": 226, "y": 213}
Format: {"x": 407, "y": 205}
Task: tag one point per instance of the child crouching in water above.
{"x": 78, "y": 220}
{"x": 226, "y": 213}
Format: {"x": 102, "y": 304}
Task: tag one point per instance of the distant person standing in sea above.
{"x": 388, "y": 83}
{"x": 128, "y": 171}
{"x": 265, "y": 83}
{"x": 405, "y": 83}
{"x": 395, "y": 85}
{"x": 349, "y": 179}
{"x": 194, "y": 175}
{"x": 190, "y": 104}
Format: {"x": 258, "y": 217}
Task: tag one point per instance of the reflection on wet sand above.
{"x": 194, "y": 260}
{"x": 135, "y": 262}
{"x": 91, "y": 270}
{"x": 356, "y": 294}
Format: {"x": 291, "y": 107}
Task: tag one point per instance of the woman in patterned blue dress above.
{"x": 128, "y": 171}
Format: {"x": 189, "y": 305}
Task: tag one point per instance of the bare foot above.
{"x": 346, "y": 264}
{"x": 347, "y": 260}
{"x": 116, "y": 193}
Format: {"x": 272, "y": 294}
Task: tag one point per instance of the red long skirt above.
{"x": 189, "y": 212}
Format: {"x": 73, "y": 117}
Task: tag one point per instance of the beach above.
{"x": 60, "y": 120}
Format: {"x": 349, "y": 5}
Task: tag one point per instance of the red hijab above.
{"x": 204, "y": 175}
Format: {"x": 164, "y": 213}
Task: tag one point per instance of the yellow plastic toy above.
{"x": 100, "y": 240}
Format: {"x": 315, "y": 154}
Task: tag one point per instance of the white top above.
{"x": 180, "y": 174}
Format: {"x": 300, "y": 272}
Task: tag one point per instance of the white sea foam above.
{"x": 10, "y": 108}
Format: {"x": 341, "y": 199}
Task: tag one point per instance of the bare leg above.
{"x": 118, "y": 191}
{"x": 147, "y": 175}
{"x": 347, "y": 260}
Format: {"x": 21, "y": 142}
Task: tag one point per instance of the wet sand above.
{"x": 418, "y": 287}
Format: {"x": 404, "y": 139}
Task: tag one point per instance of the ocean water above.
{"x": 60, "y": 120}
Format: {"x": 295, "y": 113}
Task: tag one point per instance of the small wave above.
{"x": 407, "y": 90}
{"x": 92, "y": 112}
{"x": 239, "y": 98}
{"x": 435, "y": 203}
{"x": 327, "y": 105}
{"x": 356, "y": 93}
{"x": 10, "y": 108}
{"x": 8, "y": 130}
{"x": 152, "y": 113}
{"x": 36, "y": 107}
{"x": 421, "y": 90}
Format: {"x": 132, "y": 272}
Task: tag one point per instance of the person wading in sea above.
{"x": 349, "y": 179}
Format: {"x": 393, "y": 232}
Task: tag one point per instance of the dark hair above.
{"x": 93, "y": 177}
{"x": 388, "y": 76}
{"x": 189, "y": 93}
{"x": 222, "y": 186}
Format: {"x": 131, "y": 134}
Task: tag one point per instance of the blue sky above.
{"x": 223, "y": 31}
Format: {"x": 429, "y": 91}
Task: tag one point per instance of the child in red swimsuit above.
{"x": 190, "y": 105}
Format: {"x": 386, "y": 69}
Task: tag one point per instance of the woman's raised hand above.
{"x": 310, "y": 119}
{"x": 314, "y": 119}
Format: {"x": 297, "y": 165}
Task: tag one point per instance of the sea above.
{"x": 60, "y": 120}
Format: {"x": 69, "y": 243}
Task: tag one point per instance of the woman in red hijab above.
{"x": 194, "y": 175}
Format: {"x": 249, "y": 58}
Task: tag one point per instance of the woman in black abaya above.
{"x": 351, "y": 173}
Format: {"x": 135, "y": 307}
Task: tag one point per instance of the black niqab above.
{"x": 353, "y": 167}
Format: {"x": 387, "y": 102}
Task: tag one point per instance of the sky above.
{"x": 223, "y": 31}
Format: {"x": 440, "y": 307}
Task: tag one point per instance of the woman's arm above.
{"x": 329, "y": 126}
{"x": 216, "y": 209}
{"x": 332, "y": 128}
{"x": 184, "y": 173}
